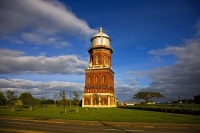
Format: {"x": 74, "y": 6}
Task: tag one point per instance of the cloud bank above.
{"x": 180, "y": 79}
{"x": 37, "y": 89}
{"x": 40, "y": 22}
{"x": 15, "y": 62}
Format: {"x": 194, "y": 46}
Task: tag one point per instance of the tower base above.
{"x": 98, "y": 100}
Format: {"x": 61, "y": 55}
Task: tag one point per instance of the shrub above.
{"x": 169, "y": 109}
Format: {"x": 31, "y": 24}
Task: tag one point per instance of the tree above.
{"x": 63, "y": 101}
{"x": 11, "y": 97}
{"x": 75, "y": 98}
{"x": 54, "y": 97}
{"x": 148, "y": 96}
{"x": 18, "y": 103}
{"x": 43, "y": 101}
{"x": 2, "y": 98}
{"x": 70, "y": 100}
{"x": 27, "y": 98}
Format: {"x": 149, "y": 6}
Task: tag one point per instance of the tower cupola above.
{"x": 100, "y": 39}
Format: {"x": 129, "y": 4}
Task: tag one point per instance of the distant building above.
{"x": 151, "y": 102}
{"x": 99, "y": 76}
{"x": 197, "y": 99}
{"x": 132, "y": 103}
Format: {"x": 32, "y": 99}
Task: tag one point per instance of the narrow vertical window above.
{"x": 104, "y": 101}
{"x": 89, "y": 79}
{"x": 87, "y": 101}
{"x": 105, "y": 62}
{"x": 97, "y": 59}
{"x": 103, "y": 78}
{"x": 96, "y": 79}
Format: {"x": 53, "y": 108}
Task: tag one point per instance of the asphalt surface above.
{"x": 24, "y": 124}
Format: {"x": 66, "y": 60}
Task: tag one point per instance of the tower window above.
{"x": 87, "y": 102}
{"x": 89, "y": 79}
{"x": 96, "y": 79}
{"x": 104, "y": 101}
{"x": 104, "y": 79}
{"x": 97, "y": 59}
{"x": 105, "y": 60}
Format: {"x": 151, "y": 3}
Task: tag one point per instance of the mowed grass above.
{"x": 105, "y": 114}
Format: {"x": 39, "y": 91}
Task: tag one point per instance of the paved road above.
{"x": 21, "y": 126}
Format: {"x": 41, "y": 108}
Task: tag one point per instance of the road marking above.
{"x": 111, "y": 129}
{"x": 18, "y": 122}
{"x": 21, "y": 131}
{"x": 134, "y": 130}
{"x": 131, "y": 130}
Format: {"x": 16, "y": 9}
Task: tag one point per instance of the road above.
{"x": 20, "y": 126}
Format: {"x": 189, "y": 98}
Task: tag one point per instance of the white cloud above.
{"x": 180, "y": 79}
{"x": 125, "y": 92}
{"x": 40, "y": 20}
{"x": 40, "y": 88}
{"x": 133, "y": 81}
{"x": 40, "y": 39}
{"x": 17, "y": 62}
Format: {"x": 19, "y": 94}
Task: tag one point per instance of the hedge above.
{"x": 180, "y": 110}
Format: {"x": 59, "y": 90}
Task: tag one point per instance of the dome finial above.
{"x": 100, "y": 29}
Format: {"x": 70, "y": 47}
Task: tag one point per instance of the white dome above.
{"x": 100, "y": 33}
{"x": 100, "y": 38}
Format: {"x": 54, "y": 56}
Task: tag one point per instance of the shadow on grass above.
{"x": 180, "y": 116}
{"x": 106, "y": 125}
{"x": 19, "y": 110}
{"x": 171, "y": 114}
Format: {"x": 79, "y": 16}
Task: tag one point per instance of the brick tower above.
{"x": 99, "y": 76}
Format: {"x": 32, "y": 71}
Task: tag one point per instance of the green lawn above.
{"x": 105, "y": 114}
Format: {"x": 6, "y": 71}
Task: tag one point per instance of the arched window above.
{"x": 104, "y": 79}
{"x": 96, "y": 79}
{"x": 104, "y": 101}
{"x": 89, "y": 79}
{"x": 87, "y": 102}
{"x": 95, "y": 101}
{"x": 105, "y": 60}
{"x": 97, "y": 59}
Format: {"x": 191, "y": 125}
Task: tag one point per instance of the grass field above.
{"x": 105, "y": 114}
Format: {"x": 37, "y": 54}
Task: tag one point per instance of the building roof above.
{"x": 100, "y": 34}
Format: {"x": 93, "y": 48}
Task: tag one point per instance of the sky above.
{"x": 44, "y": 43}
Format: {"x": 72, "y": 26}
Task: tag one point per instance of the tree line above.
{"x": 26, "y": 100}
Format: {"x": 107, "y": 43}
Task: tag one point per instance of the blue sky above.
{"x": 43, "y": 45}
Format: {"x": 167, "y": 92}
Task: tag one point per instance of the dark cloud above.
{"x": 15, "y": 62}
